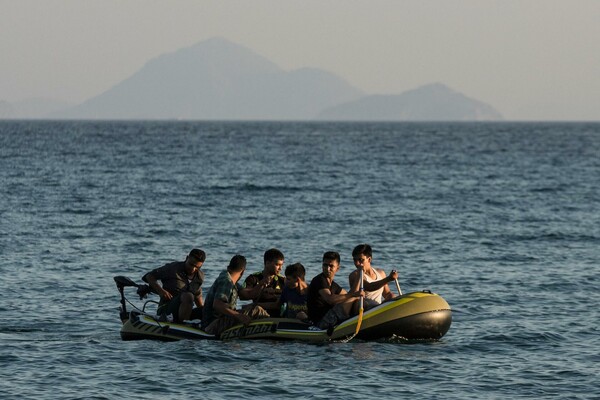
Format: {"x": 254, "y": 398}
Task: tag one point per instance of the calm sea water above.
{"x": 502, "y": 220}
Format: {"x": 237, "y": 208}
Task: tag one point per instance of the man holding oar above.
{"x": 375, "y": 281}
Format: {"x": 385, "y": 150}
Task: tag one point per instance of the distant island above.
{"x": 220, "y": 80}
{"x": 434, "y": 102}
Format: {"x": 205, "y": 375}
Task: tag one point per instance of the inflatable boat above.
{"x": 412, "y": 316}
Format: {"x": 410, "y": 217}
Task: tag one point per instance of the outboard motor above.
{"x": 142, "y": 290}
{"x": 122, "y": 282}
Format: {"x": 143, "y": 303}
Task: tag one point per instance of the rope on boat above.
{"x": 143, "y": 310}
{"x": 346, "y": 340}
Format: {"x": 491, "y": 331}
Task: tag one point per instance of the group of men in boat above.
{"x": 322, "y": 302}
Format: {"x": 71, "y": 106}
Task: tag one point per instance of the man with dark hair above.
{"x": 294, "y": 297}
{"x": 328, "y": 303}
{"x": 181, "y": 287}
{"x": 265, "y": 287}
{"x": 220, "y": 313}
{"x": 375, "y": 282}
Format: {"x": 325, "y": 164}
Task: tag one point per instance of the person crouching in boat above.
{"x": 219, "y": 310}
{"x": 328, "y": 303}
{"x": 375, "y": 281}
{"x": 181, "y": 287}
{"x": 294, "y": 297}
{"x": 266, "y": 286}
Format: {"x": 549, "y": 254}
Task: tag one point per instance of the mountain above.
{"x": 217, "y": 79}
{"x": 433, "y": 102}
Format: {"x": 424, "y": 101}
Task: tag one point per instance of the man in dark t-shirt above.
{"x": 294, "y": 297}
{"x": 181, "y": 286}
{"x": 328, "y": 303}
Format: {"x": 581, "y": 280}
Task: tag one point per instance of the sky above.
{"x": 530, "y": 59}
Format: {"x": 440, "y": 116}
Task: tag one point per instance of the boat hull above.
{"x": 414, "y": 316}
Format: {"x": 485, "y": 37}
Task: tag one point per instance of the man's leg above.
{"x": 186, "y": 305}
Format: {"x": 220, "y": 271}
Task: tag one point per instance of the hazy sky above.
{"x": 531, "y": 59}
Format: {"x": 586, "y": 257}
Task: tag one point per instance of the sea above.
{"x": 500, "y": 219}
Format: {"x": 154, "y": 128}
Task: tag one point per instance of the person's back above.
{"x": 221, "y": 300}
{"x": 223, "y": 288}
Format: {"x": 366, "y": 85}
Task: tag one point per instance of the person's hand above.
{"x": 266, "y": 281}
{"x": 243, "y": 319}
{"x": 302, "y": 285}
{"x": 393, "y": 275}
{"x": 302, "y": 316}
{"x": 166, "y": 295}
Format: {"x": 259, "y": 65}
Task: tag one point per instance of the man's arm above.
{"x": 342, "y": 297}
{"x": 153, "y": 282}
{"x": 223, "y": 308}
{"x": 354, "y": 280}
{"x": 198, "y": 300}
{"x": 387, "y": 293}
{"x": 254, "y": 288}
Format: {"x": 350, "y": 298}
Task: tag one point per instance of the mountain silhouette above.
{"x": 433, "y": 102}
{"x": 220, "y": 80}
{"x": 216, "y": 79}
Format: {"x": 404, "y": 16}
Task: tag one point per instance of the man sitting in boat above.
{"x": 328, "y": 303}
{"x": 219, "y": 311}
{"x": 294, "y": 297}
{"x": 181, "y": 287}
{"x": 375, "y": 281}
{"x": 266, "y": 286}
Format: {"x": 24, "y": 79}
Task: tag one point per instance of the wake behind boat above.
{"x": 413, "y": 316}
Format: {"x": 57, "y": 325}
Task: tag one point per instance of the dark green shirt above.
{"x": 277, "y": 283}
{"x": 174, "y": 279}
